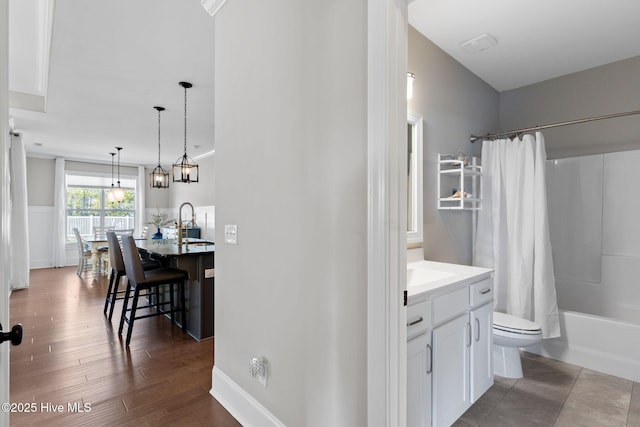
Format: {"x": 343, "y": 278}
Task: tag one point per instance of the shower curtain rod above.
{"x": 474, "y": 138}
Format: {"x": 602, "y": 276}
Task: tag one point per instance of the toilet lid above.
{"x": 509, "y": 323}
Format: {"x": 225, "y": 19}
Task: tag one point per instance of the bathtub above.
{"x": 599, "y": 343}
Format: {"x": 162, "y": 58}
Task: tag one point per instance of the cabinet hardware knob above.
{"x": 485, "y": 291}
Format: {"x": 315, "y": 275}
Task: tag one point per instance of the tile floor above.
{"x": 554, "y": 393}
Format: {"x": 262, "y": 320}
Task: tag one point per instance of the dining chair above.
{"x": 122, "y": 231}
{"x": 101, "y": 232}
{"x": 84, "y": 252}
{"x": 118, "y": 271}
{"x": 103, "y": 251}
{"x": 139, "y": 280}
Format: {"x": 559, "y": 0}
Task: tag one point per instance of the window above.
{"x": 88, "y": 205}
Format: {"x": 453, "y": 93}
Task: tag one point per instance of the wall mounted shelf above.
{"x": 459, "y": 185}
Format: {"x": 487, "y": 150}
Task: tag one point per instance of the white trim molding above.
{"x": 213, "y": 6}
{"x": 239, "y": 403}
{"x": 387, "y": 217}
{"x": 416, "y": 236}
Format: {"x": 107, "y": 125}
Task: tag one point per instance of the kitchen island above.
{"x": 196, "y": 257}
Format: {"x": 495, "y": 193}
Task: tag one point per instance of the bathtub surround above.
{"x": 513, "y": 232}
{"x": 594, "y": 231}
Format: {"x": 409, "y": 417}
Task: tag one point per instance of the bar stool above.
{"x": 118, "y": 271}
{"x": 138, "y": 280}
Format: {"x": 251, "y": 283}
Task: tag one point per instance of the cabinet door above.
{"x": 450, "y": 375}
{"x": 419, "y": 381}
{"x": 481, "y": 320}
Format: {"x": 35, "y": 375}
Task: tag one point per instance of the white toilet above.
{"x": 509, "y": 334}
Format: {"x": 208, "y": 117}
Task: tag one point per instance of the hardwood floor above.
{"x": 71, "y": 354}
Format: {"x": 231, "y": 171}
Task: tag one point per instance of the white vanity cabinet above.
{"x": 449, "y": 348}
{"x": 450, "y": 385}
{"x": 419, "y": 363}
{"x": 419, "y": 384}
{"x": 481, "y": 349}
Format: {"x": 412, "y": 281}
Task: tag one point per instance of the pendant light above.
{"x": 110, "y": 193}
{"x": 117, "y": 193}
{"x": 185, "y": 169}
{"x": 159, "y": 178}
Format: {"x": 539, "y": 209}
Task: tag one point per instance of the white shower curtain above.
{"x": 512, "y": 234}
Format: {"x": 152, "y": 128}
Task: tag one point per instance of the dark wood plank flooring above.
{"x": 71, "y": 354}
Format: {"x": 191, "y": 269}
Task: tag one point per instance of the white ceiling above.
{"x": 537, "y": 39}
{"x": 112, "y": 61}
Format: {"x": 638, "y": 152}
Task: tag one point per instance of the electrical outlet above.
{"x": 259, "y": 369}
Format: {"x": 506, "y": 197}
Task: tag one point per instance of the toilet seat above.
{"x": 509, "y": 324}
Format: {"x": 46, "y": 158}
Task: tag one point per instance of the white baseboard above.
{"x": 244, "y": 408}
{"x": 40, "y": 263}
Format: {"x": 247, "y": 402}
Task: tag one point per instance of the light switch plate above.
{"x": 231, "y": 234}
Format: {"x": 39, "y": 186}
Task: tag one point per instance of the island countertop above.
{"x": 170, "y": 248}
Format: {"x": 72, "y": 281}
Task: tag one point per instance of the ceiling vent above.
{"x": 479, "y": 43}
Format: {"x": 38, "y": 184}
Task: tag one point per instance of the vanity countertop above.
{"x": 425, "y": 276}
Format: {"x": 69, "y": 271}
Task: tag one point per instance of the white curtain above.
{"x": 140, "y": 197}
{"x": 19, "y": 216}
{"x": 59, "y": 237}
{"x": 513, "y": 230}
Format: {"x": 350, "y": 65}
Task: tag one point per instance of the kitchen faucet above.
{"x": 193, "y": 221}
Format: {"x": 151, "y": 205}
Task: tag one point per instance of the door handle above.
{"x": 15, "y": 335}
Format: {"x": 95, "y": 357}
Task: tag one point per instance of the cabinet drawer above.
{"x": 450, "y": 305}
{"x": 417, "y": 318}
{"x": 481, "y": 292}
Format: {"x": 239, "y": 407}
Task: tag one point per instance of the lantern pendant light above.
{"x": 110, "y": 193}
{"x": 159, "y": 178}
{"x": 117, "y": 193}
{"x": 185, "y": 169}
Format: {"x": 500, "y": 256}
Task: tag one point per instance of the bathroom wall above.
{"x": 611, "y": 88}
{"x": 454, "y": 104}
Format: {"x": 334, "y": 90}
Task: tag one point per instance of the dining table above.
{"x": 96, "y": 243}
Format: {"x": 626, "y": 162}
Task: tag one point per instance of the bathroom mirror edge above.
{"x": 414, "y": 180}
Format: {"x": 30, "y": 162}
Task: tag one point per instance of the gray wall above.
{"x": 291, "y": 154}
{"x": 454, "y": 104}
{"x": 40, "y": 181}
{"x": 608, "y": 89}
{"x": 198, "y": 194}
